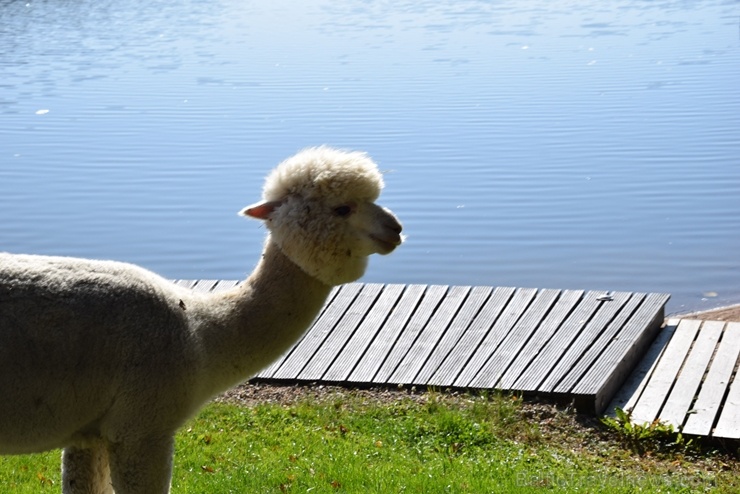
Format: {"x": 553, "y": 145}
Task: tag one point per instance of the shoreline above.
{"x": 729, "y": 313}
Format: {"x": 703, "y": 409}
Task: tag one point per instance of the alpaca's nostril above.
{"x": 393, "y": 224}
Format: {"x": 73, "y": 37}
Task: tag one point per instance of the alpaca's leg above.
{"x": 142, "y": 466}
{"x": 86, "y": 471}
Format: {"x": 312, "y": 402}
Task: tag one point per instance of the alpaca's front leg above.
{"x": 143, "y": 466}
{"x": 86, "y": 470}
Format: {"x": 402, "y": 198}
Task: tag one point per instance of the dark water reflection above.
{"x": 566, "y": 144}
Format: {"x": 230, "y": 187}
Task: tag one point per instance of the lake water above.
{"x": 591, "y": 144}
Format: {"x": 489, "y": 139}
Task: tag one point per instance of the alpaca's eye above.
{"x": 343, "y": 210}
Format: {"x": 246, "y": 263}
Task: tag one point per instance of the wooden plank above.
{"x": 509, "y": 349}
{"x": 728, "y": 425}
{"x": 185, "y": 283}
{"x": 312, "y": 340}
{"x": 455, "y": 361}
{"x": 482, "y": 337}
{"x": 224, "y": 285}
{"x": 207, "y": 285}
{"x": 541, "y": 366}
{"x": 592, "y": 353}
{"x": 428, "y": 337}
{"x": 381, "y": 346}
{"x": 335, "y": 341}
{"x": 627, "y": 396}
{"x": 567, "y": 300}
{"x": 609, "y": 308}
{"x": 510, "y": 315}
{"x": 651, "y": 401}
{"x": 350, "y": 355}
{"x": 622, "y": 352}
{"x": 429, "y": 303}
{"x": 270, "y": 370}
{"x": 457, "y": 328}
{"x": 716, "y": 383}
{"x": 688, "y": 381}
{"x": 204, "y": 286}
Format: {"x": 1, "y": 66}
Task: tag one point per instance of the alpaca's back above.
{"x": 78, "y": 338}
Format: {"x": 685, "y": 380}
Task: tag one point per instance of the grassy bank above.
{"x": 433, "y": 443}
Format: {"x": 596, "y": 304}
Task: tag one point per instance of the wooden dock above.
{"x": 688, "y": 378}
{"x": 564, "y": 344}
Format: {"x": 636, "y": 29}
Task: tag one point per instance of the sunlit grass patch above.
{"x": 441, "y": 443}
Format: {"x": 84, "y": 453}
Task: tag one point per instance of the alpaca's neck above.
{"x": 252, "y": 325}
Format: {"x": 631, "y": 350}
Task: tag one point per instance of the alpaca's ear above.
{"x": 261, "y": 210}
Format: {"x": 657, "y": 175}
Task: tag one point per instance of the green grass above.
{"x": 348, "y": 443}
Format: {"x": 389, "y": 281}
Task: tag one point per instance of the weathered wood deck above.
{"x": 566, "y": 344}
{"x": 688, "y": 378}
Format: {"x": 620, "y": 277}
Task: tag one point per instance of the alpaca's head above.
{"x": 319, "y": 206}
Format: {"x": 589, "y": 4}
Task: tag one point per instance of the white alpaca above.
{"x": 107, "y": 360}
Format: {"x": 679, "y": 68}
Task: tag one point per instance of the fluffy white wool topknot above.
{"x": 323, "y": 172}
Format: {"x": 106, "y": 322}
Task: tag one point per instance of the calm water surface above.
{"x": 591, "y": 145}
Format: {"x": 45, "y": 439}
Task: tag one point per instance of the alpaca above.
{"x": 107, "y": 360}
